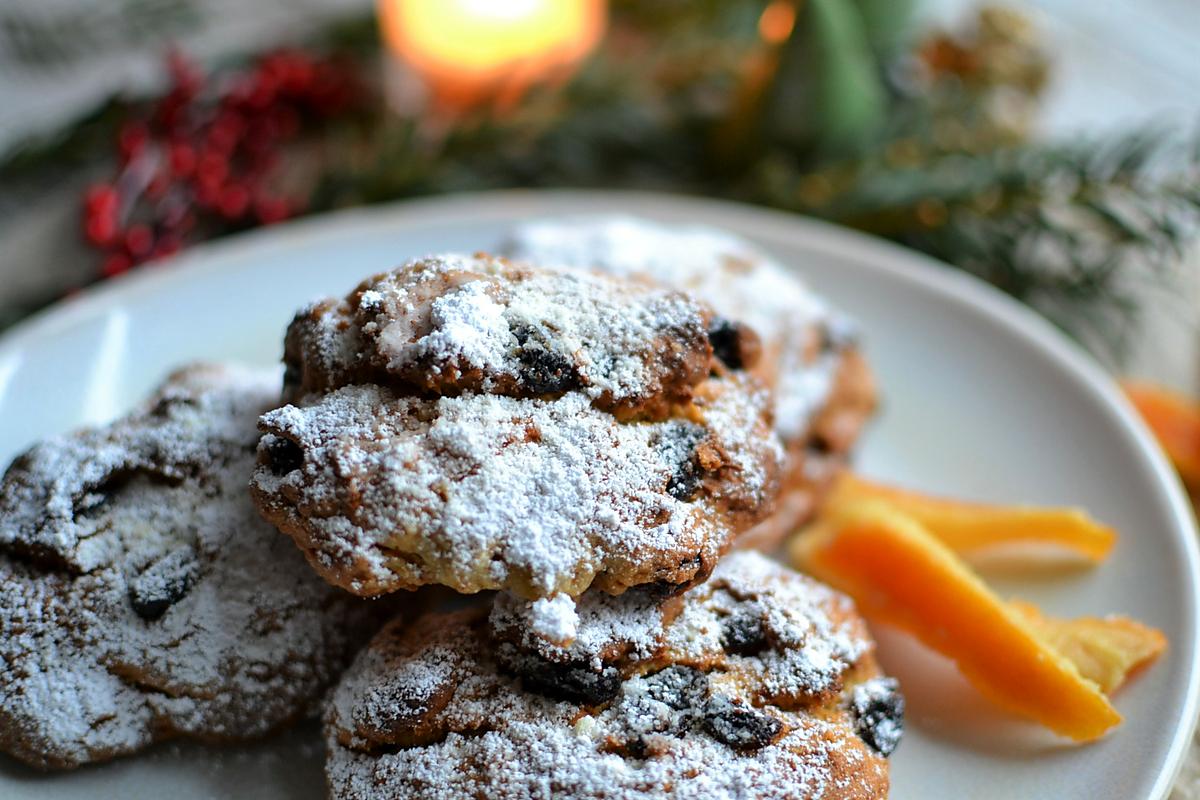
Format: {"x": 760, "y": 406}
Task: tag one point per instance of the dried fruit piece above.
{"x": 967, "y": 528}
{"x": 666, "y": 703}
{"x": 1175, "y": 421}
{"x": 574, "y": 681}
{"x": 281, "y": 455}
{"x": 163, "y": 584}
{"x": 543, "y": 370}
{"x": 877, "y": 708}
{"x": 679, "y": 441}
{"x": 1104, "y": 649}
{"x": 735, "y": 343}
{"x": 738, "y": 725}
{"x": 900, "y": 573}
{"x": 743, "y": 634}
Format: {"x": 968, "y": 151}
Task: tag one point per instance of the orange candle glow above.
{"x": 777, "y": 20}
{"x": 473, "y": 51}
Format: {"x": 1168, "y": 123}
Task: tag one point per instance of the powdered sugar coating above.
{"x": 538, "y": 496}
{"x": 452, "y": 323}
{"x": 823, "y": 392}
{"x": 793, "y": 638}
{"x": 555, "y": 618}
{"x": 427, "y": 712}
{"x": 605, "y": 627}
{"x": 141, "y": 597}
{"x": 802, "y": 336}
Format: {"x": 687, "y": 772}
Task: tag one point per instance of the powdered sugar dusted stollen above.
{"x": 141, "y": 596}
{"x": 537, "y": 496}
{"x": 766, "y": 687}
{"x": 450, "y": 324}
{"x": 749, "y": 607}
{"x": 823, "y": 389}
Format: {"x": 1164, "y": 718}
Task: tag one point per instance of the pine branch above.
{"x": 1062, "y": 228}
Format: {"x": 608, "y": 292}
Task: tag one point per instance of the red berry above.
{"x": 139, "y": 240}
{"x": 115, "y": 264}
{"x": 258, "y": 90}
{"x": 270, "y": 210}
{"x": 101, "y": 229}
{"x": 182, "y": 157}
{"x": 166, "y": 246}
{"x": 132, "y": 139}
{"x": 224, "y": 133}
{"x": 102, "y": 198}
{"x": 208, "y": 194}
{"x": 212, "y": 168}
{"x": 234, "y": 201}
{"x": 297, "y": 74}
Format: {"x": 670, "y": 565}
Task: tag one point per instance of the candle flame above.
{"x": 777, "y": 20}
{"x": 467, "y": 49}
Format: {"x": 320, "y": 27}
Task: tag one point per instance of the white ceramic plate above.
{"x": 982, "y": 399}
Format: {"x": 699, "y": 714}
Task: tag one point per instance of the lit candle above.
{"x": 468, "y": 52}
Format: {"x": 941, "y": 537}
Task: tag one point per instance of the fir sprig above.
{"x": 1069, "y": 229}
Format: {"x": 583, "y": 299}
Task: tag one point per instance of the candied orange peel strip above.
{"x": 899, "y": 573}
{"x": 1106, "y": 650}
{"x": 969, "y": 528}
{"x": 1175, "y": 422}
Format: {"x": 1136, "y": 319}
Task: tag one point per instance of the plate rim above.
{"x": 760, "y": 223}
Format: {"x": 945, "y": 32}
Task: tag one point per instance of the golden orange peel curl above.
{"x": 972, "y": 528}
{"x": 1175, "y": 422}
{"x": 901, "y": 573}
{"x": 1105, "y": 650}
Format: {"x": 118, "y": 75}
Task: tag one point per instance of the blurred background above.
{"x": 1051, "y": 148}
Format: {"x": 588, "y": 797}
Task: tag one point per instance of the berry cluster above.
{"x": 204, "y": 158}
